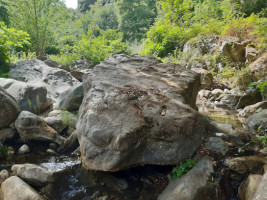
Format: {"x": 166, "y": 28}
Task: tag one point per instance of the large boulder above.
{"x": 32, "y": 97}
{"x": 134, "y": 112}
{"x": 193, "y": 185}
{"x": 32, "y": 127}
{"x": 17, "y": 189}
{"x": 55, "y": 80}
{"x": 9, "y": 109}
{"x": 205, "y": 76}
{"x": 261, "y": 192}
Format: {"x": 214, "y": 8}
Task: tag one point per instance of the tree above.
{"x": 84, "y": 5}
{"x": 35, "y": 17}
{"x": 3, "y": 13}
{"x": 10, "y": 38}
{"x": 136, "y": 17}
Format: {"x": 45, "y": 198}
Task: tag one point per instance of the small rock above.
{"x": 216, "y": 144}
{"x": 24, "y": 149}
{"x": 3, "y": 176}
{"x": 51, "y": 152}
{"x": 217, "y": 92}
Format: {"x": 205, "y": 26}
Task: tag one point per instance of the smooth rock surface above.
{"x": 250, "y": 110}
{"x": 24, "y": 149}
{"x": 32, "y": 97}
{"x": 217, "y": 145}
{"x": 33, "y": 174}
{"x": 16, "y": 189}
{"x": 55, "y": 80}
{"x": 9, "y": 109}
{"x": 32, "y": 127}
{"x": 188, "y": 186}
{"x": 72, "y": 98}
{"x": 3, "y": 175}
{"x": 261, "y": 192}
{"x": 134, "y": 112}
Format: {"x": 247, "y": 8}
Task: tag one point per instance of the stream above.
{"x": 73, "y": 182}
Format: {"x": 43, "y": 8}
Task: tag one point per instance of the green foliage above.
{"x": 96, "y": 45}
{"x": 136, "y": 17}
{"x": 183, "y": 168}
{"x": 4, "y": 69}
{"x": 9, "y": 39}
{"x": 84, "y": 5}
{"x": 180, "y": 20}
{"x": 259, "y": 85}
{"x": 65, "y": 58}
{"x": 3, "y": 150}
{"x": 3, "y": 13}
{"x": 251, "y": 6}
{"x": 261, "y": 137}
{"x": 67, "y": 120}
{"x": 41, "y": 19}
{"x": 35, "y": 106}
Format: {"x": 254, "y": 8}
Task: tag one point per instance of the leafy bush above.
{"x": 96, "y": 45}
{"x": 9, "y": 39}
{"x": 183, "y": 168}
{"x": 65, "y": 58}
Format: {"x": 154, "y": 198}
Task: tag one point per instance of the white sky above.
{"x": 71, "y": 3}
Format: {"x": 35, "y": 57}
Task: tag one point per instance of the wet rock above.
{"x": 24, "y": 149}
{"x": 15, "y": 188}
{"x": 32, "y": 97}
{"x": 7, "y": 134}
{"x": 216, "y": 144}
{"x": 61, "y": 120}
{"x": 32, "y": 127}
{"x": 252, "y": 109}
{"x": 33, "y": 174}
{"x": 55, "y": 80}
{"x": 71, "y": 99}
{"x": 246, "y": 165}
{"x": 188, "y": 186}
{"x": 248, "y": 188}
{"x": 9, "y": 109}
{"x": 3, "y": 176}
{"x": 257, "y": 120}
{"x": 134, "y": 111}
{"x": 205, "y": 77}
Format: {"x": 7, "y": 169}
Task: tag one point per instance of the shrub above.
{"x": 183, "y": 168}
